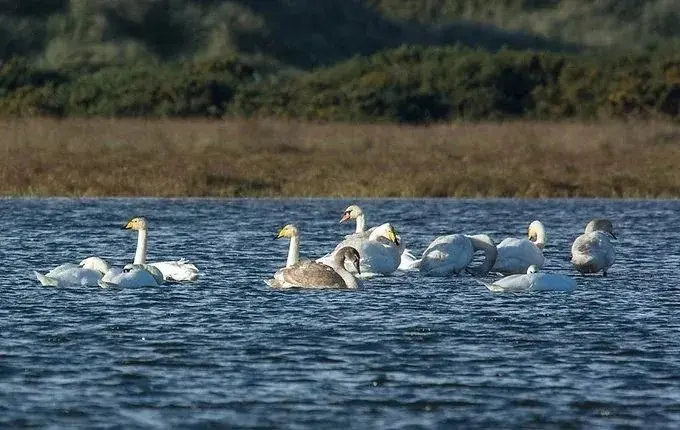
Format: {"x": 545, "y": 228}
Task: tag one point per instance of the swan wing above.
{"x": 72, "y": 276}
{"x": 177, "y": 271}
{"x": 408, "y": 260}
{"x": 447, "y": 255}
{"x": 516, "y": 255}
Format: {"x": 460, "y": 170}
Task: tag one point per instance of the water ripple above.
{"x": 404, "y": 352}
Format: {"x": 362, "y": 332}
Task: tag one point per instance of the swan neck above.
{"x": 140, "y": 254}
{"x": 490, "y": 253}
{"x": 361, "y": 224}
{"x": 293, "y": 251}
{"x": 350, "y": 280}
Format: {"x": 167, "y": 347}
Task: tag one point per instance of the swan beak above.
{"x": 127, "y": 226}
{"x": 345, "y": 217}
{"x": 392, "y": 235}
{"x": 358, "y": 266}
{"x": 612, "y": 233}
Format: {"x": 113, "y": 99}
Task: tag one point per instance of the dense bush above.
{"x": 408, "y": 84}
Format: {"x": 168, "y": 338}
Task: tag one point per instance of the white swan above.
{"x": 452, "y": 253}
{"x": 533, "y": 280}
{"x": 172, "y": 271}
{"x": 516, "y": 255}
{"x": 380, "y": 253}
{"x": 131, "y": 276}
{"x": 356, "y": 213}
{"x": 312, "y": 274}
{"x": 86, "y": 274}
{"x": 593, "y": 251}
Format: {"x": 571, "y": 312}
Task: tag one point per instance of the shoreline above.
{"x": 166, "y": 158}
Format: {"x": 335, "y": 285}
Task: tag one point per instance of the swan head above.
{"x": 532, "y": 269}
{"x": 350, "y": 254}
{"x": 136, "y": 223}
{"x": 95, "y": 263}
{"x": 387, "y": 231}
{"x": 289, "y": 231}
{"x": 536, "y": 233}
{"x": 601, "y": 224}
{"x": 352, "y": 212}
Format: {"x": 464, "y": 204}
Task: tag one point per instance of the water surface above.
{"x": 403, "y": 352}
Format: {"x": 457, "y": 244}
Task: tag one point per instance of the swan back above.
{"x": 600, "y": 224}
{"x": 95, "y": 263}
{"x": 592, "y": 252}
{"x": 308, "y": 274}
{"x": 446, "y": 255}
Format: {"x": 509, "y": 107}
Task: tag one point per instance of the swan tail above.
{"x": 274, "y": 283}
{"x": 490, "y": 287}
{"x": 46, "y": 281}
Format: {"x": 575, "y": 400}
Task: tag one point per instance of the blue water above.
{"x": 403, "y": 352}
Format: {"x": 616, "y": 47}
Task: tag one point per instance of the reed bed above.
{"x": 272, "y": 158}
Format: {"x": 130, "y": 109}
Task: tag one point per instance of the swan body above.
{"x": 451, "y": 254}
{"x": 516, "y": 255}
{"x": 593, "y": 251}
{"x": 131, "y": 276}
{"x": 173, "y": 271}
{"x": 380, "y": 253}
{"x": 312, "y": 274}
{"x": 533, "y": 280}
{"x": 361, "y": 233}
{"x": 86, "y": 274}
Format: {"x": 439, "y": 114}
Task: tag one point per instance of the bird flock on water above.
{"x": 369, "y": 252}
{"x": 377, "y": 251}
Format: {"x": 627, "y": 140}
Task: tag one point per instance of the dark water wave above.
{"x": 404, "y": 352}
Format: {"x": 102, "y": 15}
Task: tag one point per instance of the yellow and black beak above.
{"x": 127, "y": 226}
{"x": 392, "y": 235}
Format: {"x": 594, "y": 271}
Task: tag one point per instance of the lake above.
{"x": 402, "y": 352}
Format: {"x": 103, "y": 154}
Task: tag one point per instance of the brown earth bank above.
{"x": 267, "y": 158}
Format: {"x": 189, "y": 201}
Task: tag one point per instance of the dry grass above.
{"x": 99, "y": 157}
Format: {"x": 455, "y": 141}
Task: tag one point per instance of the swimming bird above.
{"x": 516, "y": 255}
{"x": 173, "y": 271}
{"x": 85, "y": 274}
{"x": 532, "y": 280}
{"x": 311, "y": 274}
{"x": 451, "y": 254}
{"x": 354, "y": 212}
{"x": 593, "y": 251}
{"x": 380, "y": 253}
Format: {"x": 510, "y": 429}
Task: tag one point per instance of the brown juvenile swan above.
{"x": 312, "y": 274}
